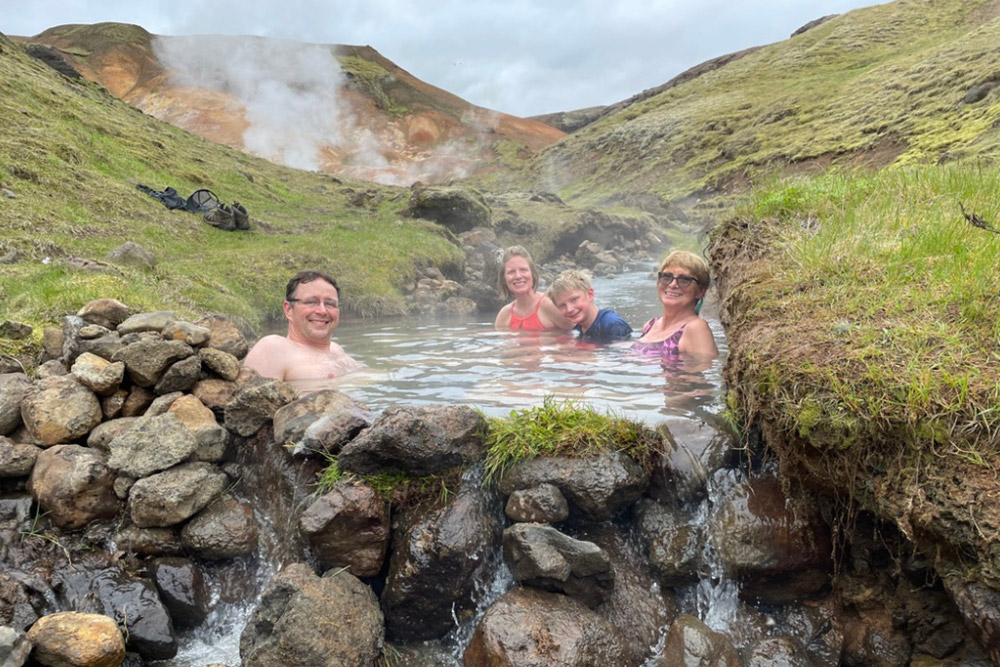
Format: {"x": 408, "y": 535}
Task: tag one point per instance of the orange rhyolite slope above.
{"x": 379, "y": 122}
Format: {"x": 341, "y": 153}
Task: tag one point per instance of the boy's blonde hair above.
{"x": 569, "y": 280}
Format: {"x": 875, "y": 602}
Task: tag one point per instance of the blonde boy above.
{"x": 574, "y": 297}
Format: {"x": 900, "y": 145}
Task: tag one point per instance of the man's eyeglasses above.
{"x": 315, "y": 303}
{"x": 682, "y": 281}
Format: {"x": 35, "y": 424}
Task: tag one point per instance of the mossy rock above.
{"x": 458, "y": 209}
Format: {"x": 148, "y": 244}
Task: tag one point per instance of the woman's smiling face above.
{"x": 675, "y": 294}
{"x": 517, "y": 275}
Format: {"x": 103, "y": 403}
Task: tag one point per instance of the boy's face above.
{"x": 575, "y": 305}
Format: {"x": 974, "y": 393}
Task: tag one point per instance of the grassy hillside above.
{"x": 71, "y": 155}
{"x": 876, "y": 86}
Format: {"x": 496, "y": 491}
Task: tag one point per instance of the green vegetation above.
{"x": 880, "y": 85}
{"x": 564, "y": 428}
{"x": 71, "y": 155}
{"x": 870, "y": 311}
{"x": 398, "y": 488}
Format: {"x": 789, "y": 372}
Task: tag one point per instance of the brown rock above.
{"x": 73, "y": 485}
{"x": 69, "y": 638}
{"x": 108, "y": 313}
{"x": 348, "y": 527}
{"x": 60, "y": 409}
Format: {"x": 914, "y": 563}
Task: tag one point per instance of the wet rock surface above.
{"x": 348, "y": 527}
{"x": 292, "y": 625}
{"x": 417, "y": 440}
{"x": 437, "y": 557}
{"x": 596, "y": 488}
{"x": 531, "y": 627}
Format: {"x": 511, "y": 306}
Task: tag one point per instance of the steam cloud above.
{"x": 289, "y": 90}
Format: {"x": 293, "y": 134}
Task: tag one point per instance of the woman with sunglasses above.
{"x": 681, "y": 285}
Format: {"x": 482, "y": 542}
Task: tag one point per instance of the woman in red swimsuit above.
{"x": 681, "y": 284}
{"x": 530, "y": 311}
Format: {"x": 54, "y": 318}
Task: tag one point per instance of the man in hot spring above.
{"x": 307, "y": 358}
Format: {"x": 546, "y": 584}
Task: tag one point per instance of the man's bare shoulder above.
{"x": 273, "y": 342}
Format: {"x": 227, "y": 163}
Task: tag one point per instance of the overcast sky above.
{"x": 523, "y": 57}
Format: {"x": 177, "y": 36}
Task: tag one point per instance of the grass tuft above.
{"x": 564, "y": 428}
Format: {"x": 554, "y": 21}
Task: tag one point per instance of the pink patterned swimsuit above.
{"x": 669, "y": 347}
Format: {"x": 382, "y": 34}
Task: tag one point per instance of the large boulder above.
{"x": 544, "y": 503}
{"x": 255, "y": 403}
{"x": 458, "y": 209}
{"x": 74, "y": 485}
{"x": 211, "y": 438}
{"x": 135, "y": 604}
{"x": 439, "y": 557}
{"x": 596, "y": 488}
{"x": 543, "y": 557}
{"x": 60, "y": 410}
{"x": 147, "y": 359}
{"x": 13, "y": 388}
{"x": 151, "y": 445}
{"x": 320, "y": 422}
{"x": 225, "y": 529}
{"x": 107, "y": 313}
{"x": 173, "y": 496}
{"x": 348, "y": 527}
{"x": 528, "y": 627}
{"x": 182, "y": 589}
{"x": 225, "y": 335}
{"x": 71, "y": 638}
{"x": 308, "y": 621}
{"x": 417, "y": 440}
{"x": 98, "y": 374}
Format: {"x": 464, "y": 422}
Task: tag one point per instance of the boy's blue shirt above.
{"x": 608, "y": 326}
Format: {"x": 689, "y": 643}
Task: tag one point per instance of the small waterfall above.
{"x": 716, "y": 595}
{"x": 276, "y": 490}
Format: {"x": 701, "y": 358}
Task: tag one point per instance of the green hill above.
{"x": 71, "y": 155}
{"x": 901, "y": 83}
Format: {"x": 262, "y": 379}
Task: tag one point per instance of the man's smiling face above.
{"x": 313, "y": 313}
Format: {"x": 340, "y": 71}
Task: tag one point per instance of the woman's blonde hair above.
{"x": 690, "y": 262}
{"x": 515, "y": 251}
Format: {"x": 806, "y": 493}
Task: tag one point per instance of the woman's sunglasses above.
{"x": 682, "y": 281}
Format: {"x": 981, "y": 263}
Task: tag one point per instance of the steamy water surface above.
{"x": 420, "y": 362}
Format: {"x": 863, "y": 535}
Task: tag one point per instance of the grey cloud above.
{"x": 518, "y": 56}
